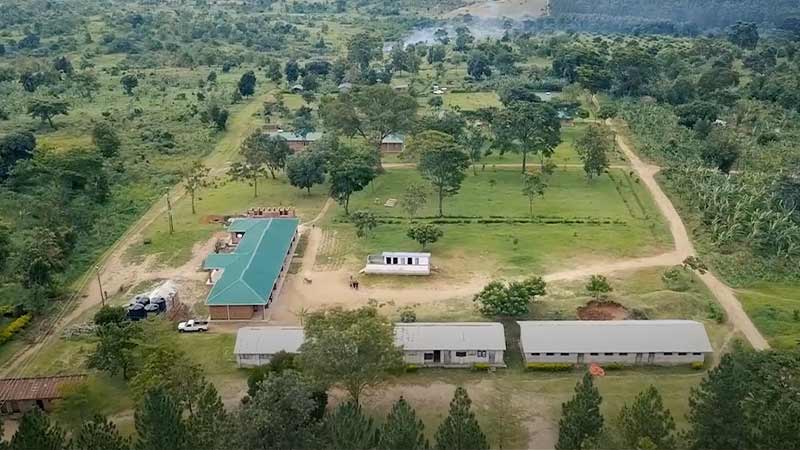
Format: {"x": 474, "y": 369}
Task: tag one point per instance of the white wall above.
{"x": 616, "y": 358}
{"x": 449, "y": 358}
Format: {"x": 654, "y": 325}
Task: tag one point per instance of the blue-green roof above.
{"x": 252, "y": 269}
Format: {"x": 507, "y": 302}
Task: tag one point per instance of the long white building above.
{"x": 453, "y": 344}
{"x": 666, "y": 342}
{"x": 255, "y": 346}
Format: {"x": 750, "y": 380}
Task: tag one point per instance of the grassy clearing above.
{"x": 775, "y": 310}
{"x": 471, "y": 101}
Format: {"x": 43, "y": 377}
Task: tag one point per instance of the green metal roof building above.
{"x": 251, "y": 273}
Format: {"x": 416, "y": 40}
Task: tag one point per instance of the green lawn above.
{"x": 471, "y": 101}
{"x": 775, "y": 310}
{"x": 517, "y": 248}
{"x": 227, "y": 199}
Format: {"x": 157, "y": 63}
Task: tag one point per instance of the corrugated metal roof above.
{"x": 37, "y": 388}
{"x": 393, "y": 139}
{"x": 409, "y": 254}
{"x": 268, "y": 340}
{"x": 632, "y": 336}
{"x": 293, "y": 137}
{"x": 255, "y": 264}
{"x": 450, "y": 336}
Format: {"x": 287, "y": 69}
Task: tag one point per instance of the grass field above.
{"x": 775, "y": 310}
{"x": 470, "y": 101}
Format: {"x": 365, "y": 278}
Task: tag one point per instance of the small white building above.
{"x": 255, "y": 346}
{"x": 451, "y": 344}
{"x": 664, "y": 342}
{"x": 399, "y": 263}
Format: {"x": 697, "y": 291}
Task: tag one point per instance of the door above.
{"x": 651, "y": 358}
{"x": 40, "y": 404}
{"x": 437, "y": 356}
{"x": 580, "y": 358}
{"x": 638, "y": 358}
{"x": 491, "y": 357}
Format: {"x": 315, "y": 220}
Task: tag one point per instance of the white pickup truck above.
{"x": 193, "y": 326}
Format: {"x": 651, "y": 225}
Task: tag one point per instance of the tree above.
{"x": 110, "y": 314}
{"x": 217, "y": 116}
{"x": 647, "y": 418}
{"x": 194, "y": 179}
{"x": 464, "y": 39}
{"x": 364, "y": 221}
{"x": 478, "y": 65}
{"x": 363, "y": 48}
{"x": 372, "y": 112}
{"x": 159, "y": 424}
{"x": 6, "y": 245}
{"x": 273, "y": 71}
{"x": 166, "y": 368}
{"x": 460, "y": 429}
{"x": 40, "y": 256}
{"x": 690, "y": 113}
{"x": 532, "y": 186}
{"x": 442, "y": 163}
{"x": 292, "y": 71}
{"x": 63, "y": 65}
{"x": 129, "y": 82}
{"x": 598, "y": 287}
{"x": 279, "y": 362}
{"x": 274, "y": 150}
{"x": 47, "y": 109}
{"x": 424, "y": 233}
{"x": 305, "y": 169}
{"x": 99, "y": 434}
{"x": 349, "y": 171}
{"x": 513, "y": 300}
{"x": 210, "y": 423}
{"x": 436, "y": 53}
{"x": 414, "y": 198}
{"x": 279, "y": 415}
{"x": 36, "y": 432}
{"x": 247, "y": 84}
{"x": 252, "y": 168}
{"x": 352, "y": 348}
{"x": 347, "y": 428}
{"x": 526, "y": 127}
{"x": 402, "y": 429}
{"x": 475, "y": 141}
{"x": 435, "y": 102}
{"x": 15, "y": 146}
{"x": 115, "y": 351}
{"x": 303, "y": 122}
{"x": 744, "y": 35}
{"x": 106, "y": 139}
{"x": 721, "y": 149}
{"x": 581, "y": 420}
{"x": 592, "y": 148}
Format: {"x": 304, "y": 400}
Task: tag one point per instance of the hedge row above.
{"x": 550, "y": 367}
{"x": 13, "y": 328}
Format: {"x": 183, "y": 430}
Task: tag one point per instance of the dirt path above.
{"x": 115, "y": 272}
{"x": 411, "y": 165}
{"x": 683, "y": 248}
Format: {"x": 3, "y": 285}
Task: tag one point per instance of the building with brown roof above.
{"x": 19, "y": 395}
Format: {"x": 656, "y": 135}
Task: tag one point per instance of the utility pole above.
{"x": 100, "y": 286}
{"x": 169, "y": 212}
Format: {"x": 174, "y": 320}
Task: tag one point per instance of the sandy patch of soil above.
{"x": 602, "y": 310}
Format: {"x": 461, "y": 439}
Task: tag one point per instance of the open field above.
{"x": 775, "y": 309}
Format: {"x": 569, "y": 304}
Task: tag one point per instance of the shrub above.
{"x": 715, "y": 312}
{"x": 411, "y": 368}
{"x": 549, "y": 367}
{"x": 697, "y": 365}
{"x": 613, "y": 366}
{"x": 607, "y": 111}
{"x": 407, "y": 315}
{"x": 13, "y": 328}
{"x": 676, "y": 279}
{"x": 481, "y": 367}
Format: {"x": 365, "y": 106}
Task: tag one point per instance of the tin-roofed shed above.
{"x": 451, "y": 344}
{"x": 255, "y": 346}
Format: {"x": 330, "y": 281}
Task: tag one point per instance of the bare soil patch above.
{"x": 603, "y": 310}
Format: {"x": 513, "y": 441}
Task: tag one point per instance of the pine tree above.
{"x": 209, "y": 423}
{"x": 36, "y": 432}
{"x": 403, "y": 430}
{"x": 347, "y": 428}
{"x": 159, "y": 423}
{"x": 99, "y": 434}
{"x": 460, "y": 429}
{"x": 580, "y": 417}
{"x": 646, "y": 418}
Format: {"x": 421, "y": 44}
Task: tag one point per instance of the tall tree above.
{"x": 460, "y": 429}
{"x": 15, "y": 146}
{"x": 424, "y": 233}
{"x": 274, "y": 148}
{"x": 99, "y": 434}
{"x": 352, "y": 348}
{"x": 349, "y": 171}
{"x": 129, "y": 83}
{"x": 414, "y": 198}
{"x": 210, "y": 423}
{"x": 292, "y": 71}
{"x": 647, "y": 418}
{"x": 194, "y": 179}
{"x": 533, "y": 186}
{"x": 166, "y": 368}
{"x": 45, "y": 110}
{"x": 37, "y": 432}
{"x": 253, "y": 166}
{"x": 526, "y": 127}
{"x": 106, "y": 139}
{"x": 744, "y": 35}
{"x": 364, "y": 221}
{"x": 514, "y": 300}
{"x": 372, "y": 112}
{"x": 581, "y": 420}
{"x": 403, "y": 430}
{"x": 306, "y": 169}
{"x": 115, "y": 351}
{"x": 442, "y": 163}
{"x": 159, "y": 425}
{"x": 592, "y": 147}
{"x": 476, "y": 142}
{"x": 347, "y": 428}
{"x": 363, "y": 48}
{"x": 247, "y": 84}
{"x": 279, "y": 415}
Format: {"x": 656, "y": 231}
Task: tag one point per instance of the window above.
{"x": 428, "y": 356}
{"x": 461, "y": 354}
{"x": 395, "y": 260}
{"x": 623, "y": 354}
{"x": 549, "y": 354}
{"x": 697, "y": 353}
{"x": 410, "y": 261}
{"x": 565, "y": 354}
{"x": 667, "y": 353}
{"x": 594, "y": 354}
{"x": 481, "y": 353}
{"x": 682, "y": 354}
{"x": 535, "y": 354}
{"x": 608, "y": 354}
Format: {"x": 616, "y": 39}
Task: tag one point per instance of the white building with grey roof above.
{"x": 255, "y": 346}
{"x": 663, "y": 342}
{"x": 451, "y": 344}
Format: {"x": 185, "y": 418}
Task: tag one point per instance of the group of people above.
{"x": 353, "y": 283}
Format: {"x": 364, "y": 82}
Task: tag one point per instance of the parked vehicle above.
{"x": 193, "y": 326}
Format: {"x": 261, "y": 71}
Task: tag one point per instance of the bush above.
{"x": 715, "y": 312}
{"x": 411, "y": 368}
{"x": 13, "y": 328}
{"x": 407, "y": 315}
{"x": 607, "y": 111}
{"x": 697, "y": 365}
{"x": 481, "y": 367}
{"x": 612, "y": 366}
{"x": 676, "y": 279}
{"x": 549, "y": 367}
